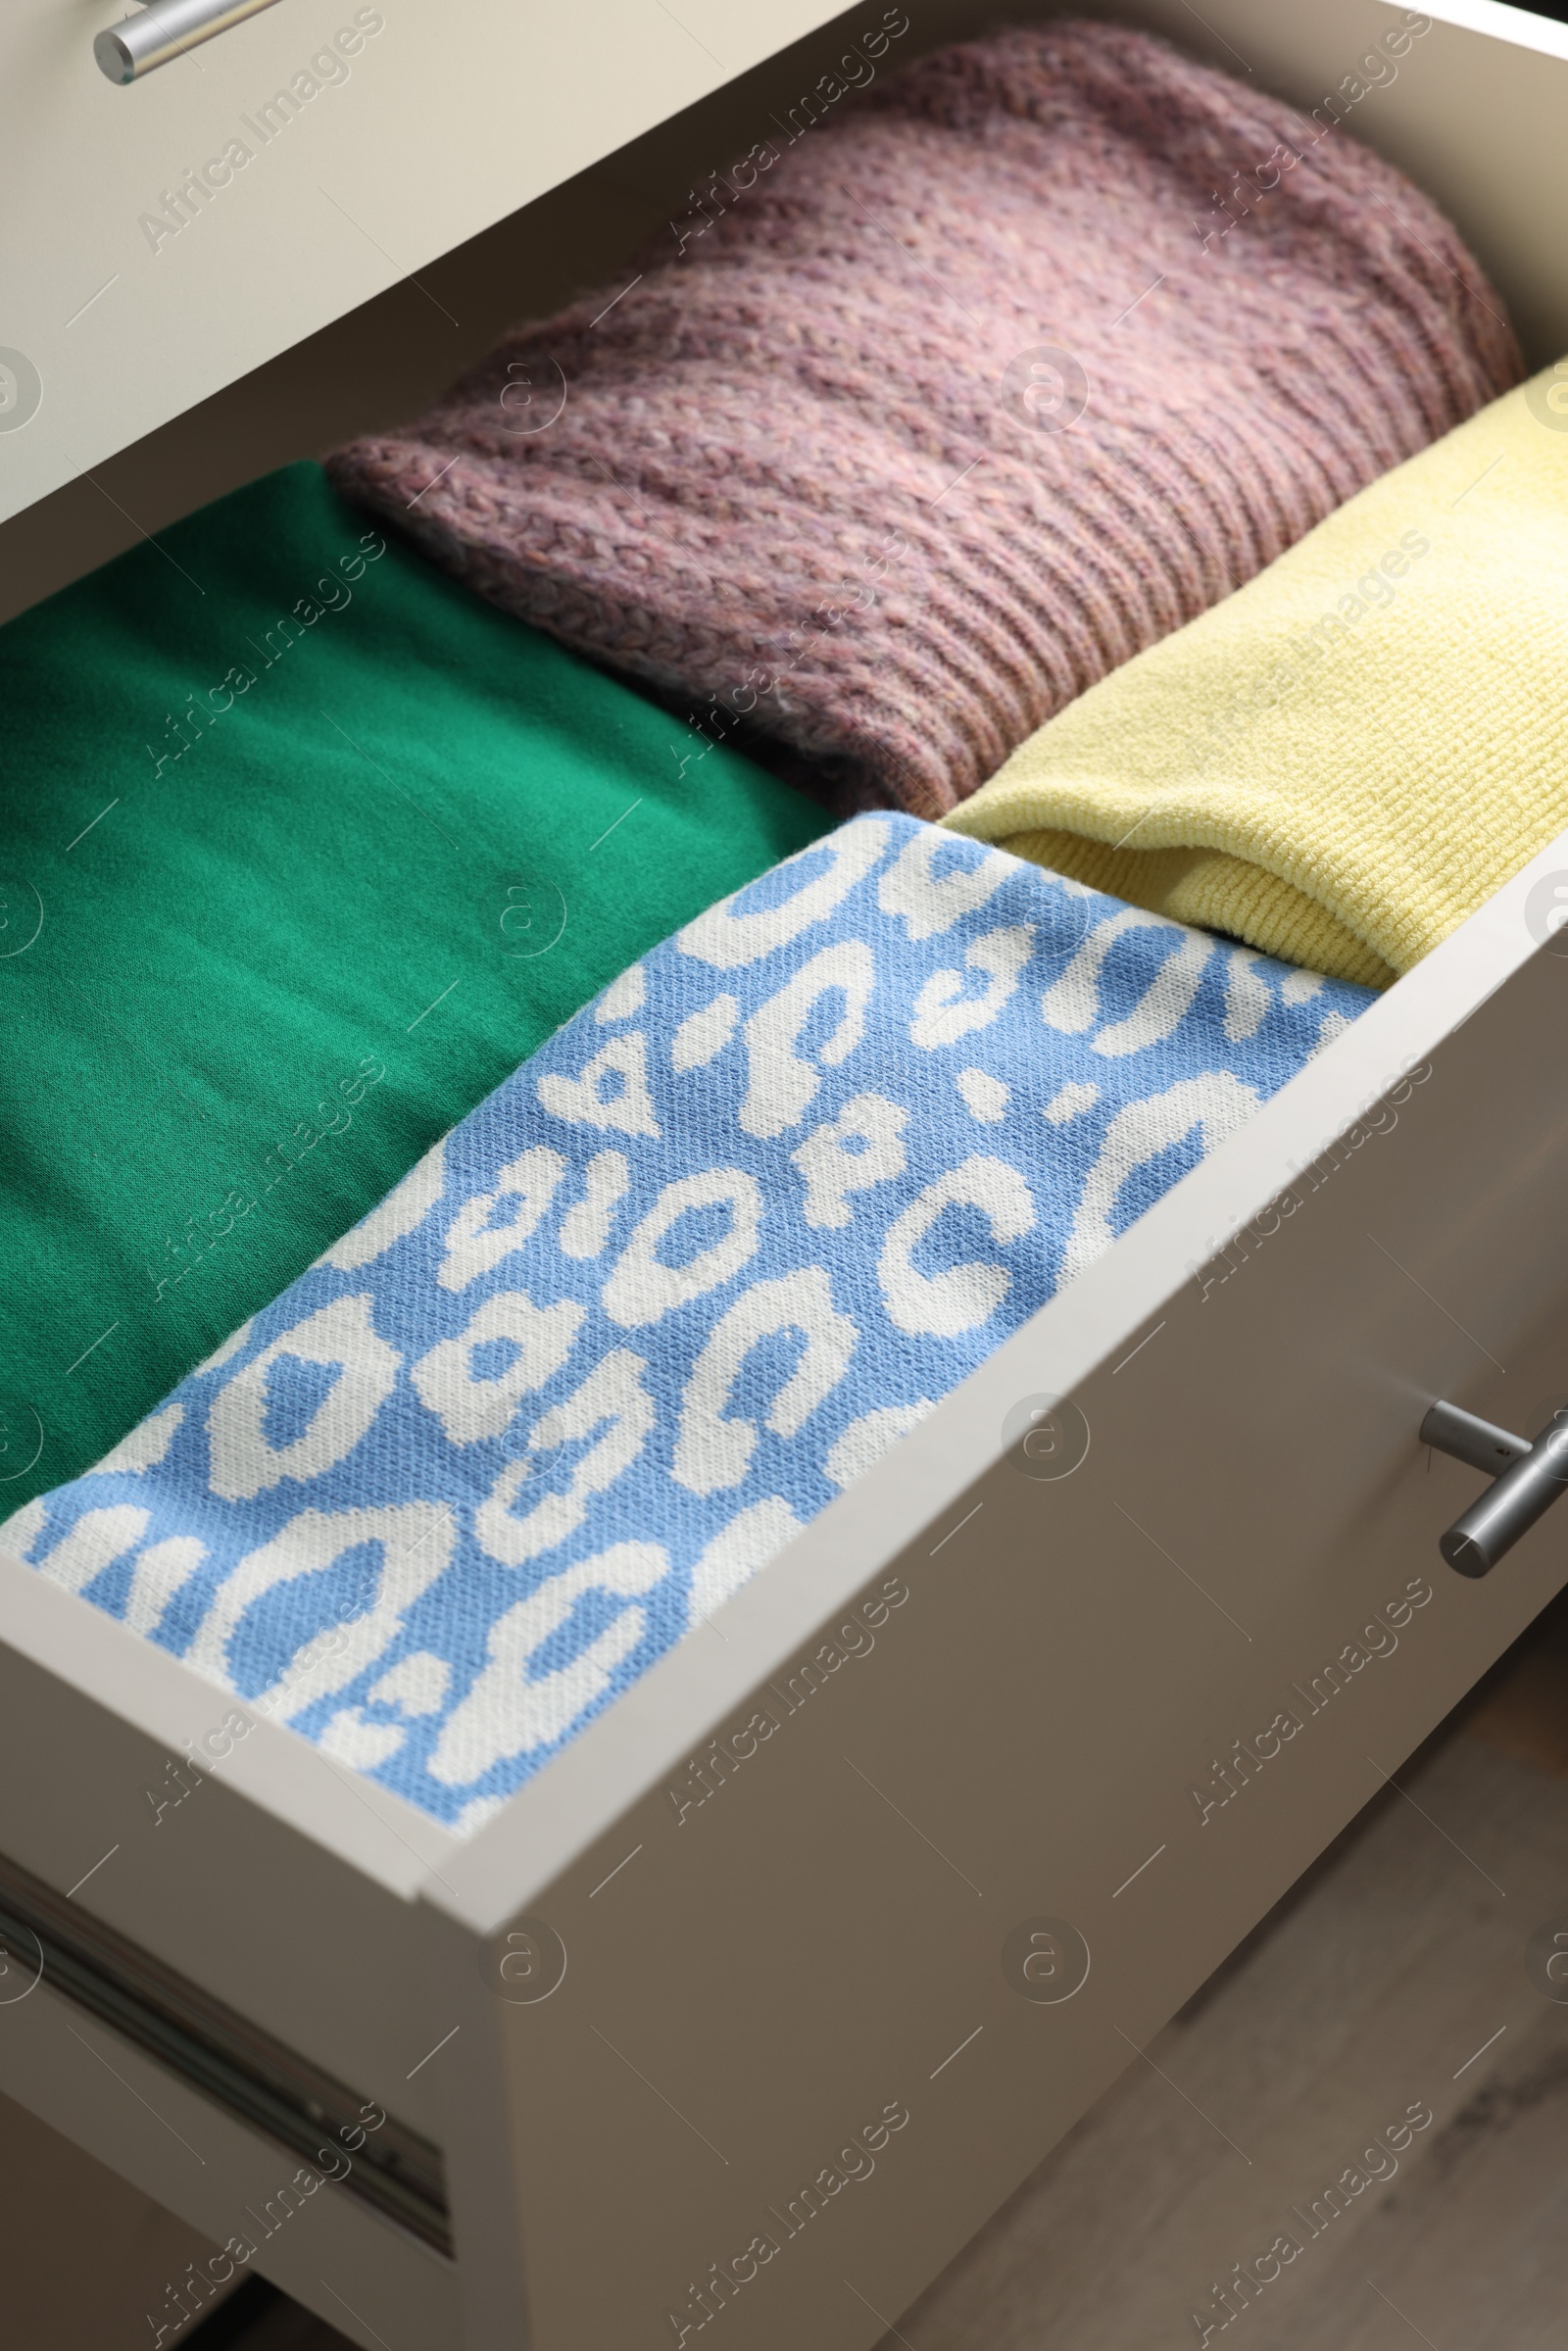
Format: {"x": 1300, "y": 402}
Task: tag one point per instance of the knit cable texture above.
{"x": 971, "y": 396}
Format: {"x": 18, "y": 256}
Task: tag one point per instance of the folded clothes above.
{"x": 1354, "y": 752}
{"x": 958, "y": 403}
{"x": 687, "y": 1272}
{"x": 301, "y": 849}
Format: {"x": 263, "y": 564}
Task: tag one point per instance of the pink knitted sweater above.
{"x": 965, "y": 397}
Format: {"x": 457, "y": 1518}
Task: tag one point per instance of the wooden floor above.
{"x": 1393, "y": 1976}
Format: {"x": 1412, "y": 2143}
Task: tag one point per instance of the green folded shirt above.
{"x": 302, "y": 848}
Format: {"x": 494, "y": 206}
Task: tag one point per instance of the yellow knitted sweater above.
{"x": 1352, "y": 751}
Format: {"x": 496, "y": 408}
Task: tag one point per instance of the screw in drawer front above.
{"x": 20, "y": 389}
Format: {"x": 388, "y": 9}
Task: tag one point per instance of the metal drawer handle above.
{"x": 1528, "y": 1479}
{"x": 166, "y": 30}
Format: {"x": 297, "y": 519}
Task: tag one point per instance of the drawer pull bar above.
{"x": 166, "y": 31}
{"x": 1528, "y": 1478}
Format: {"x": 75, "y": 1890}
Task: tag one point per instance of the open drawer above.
{"x": 755, "y": 2003}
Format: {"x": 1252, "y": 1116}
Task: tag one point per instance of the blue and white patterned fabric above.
{"x": 683, "y": 1276}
